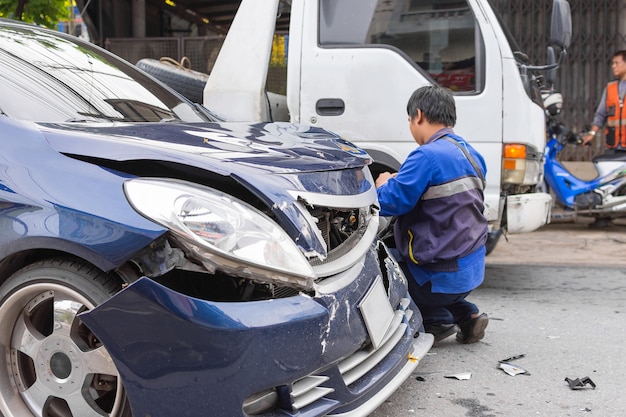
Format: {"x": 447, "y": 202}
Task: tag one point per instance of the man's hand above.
{"x": 587, "y": 137}
{"x": 383, "y": 178}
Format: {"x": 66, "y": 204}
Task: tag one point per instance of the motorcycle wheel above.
{"x": 55, "y": 366}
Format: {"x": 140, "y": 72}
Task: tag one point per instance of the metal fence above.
{"x": 201, "y": 51}
{"x": 598, "y": 31}
{"x": 598, "y": 28}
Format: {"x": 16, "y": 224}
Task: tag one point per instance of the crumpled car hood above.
{"x": 278, "y": 162}
{"x": 268, "y": 147}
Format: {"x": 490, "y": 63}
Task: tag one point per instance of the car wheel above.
{"x": 54, "y": 365}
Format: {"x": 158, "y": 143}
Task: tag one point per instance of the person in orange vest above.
{"x": 611, "y": 110}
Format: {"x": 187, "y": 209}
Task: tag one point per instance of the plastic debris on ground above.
{"x": 512, "y": 358}
{"x": 580, "y": 383}
{"x": 460, "y": 376}
{"x": 511, "y": 368}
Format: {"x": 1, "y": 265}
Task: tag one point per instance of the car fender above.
{"x": 65, "y": 204}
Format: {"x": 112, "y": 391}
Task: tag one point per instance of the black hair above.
{"x": 621, "y": 53}
{"x": 435, "y": 102}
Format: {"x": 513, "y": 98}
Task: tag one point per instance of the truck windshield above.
{"x": 440, "y": 37}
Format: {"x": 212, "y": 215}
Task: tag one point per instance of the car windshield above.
{"x": 50, "y": 77}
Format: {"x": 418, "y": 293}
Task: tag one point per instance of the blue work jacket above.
{"x": 441, "y": 230}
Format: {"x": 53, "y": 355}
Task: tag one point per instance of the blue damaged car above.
{"x": 157, "y": 261}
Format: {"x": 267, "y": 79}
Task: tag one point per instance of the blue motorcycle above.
{"x": 603, "y": 197}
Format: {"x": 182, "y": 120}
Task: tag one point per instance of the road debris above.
{"x": 580, "y": 383}
{"x": 513, "y": 369}
{"x": 512, "y": 358}
{"x": 460, "y": 376}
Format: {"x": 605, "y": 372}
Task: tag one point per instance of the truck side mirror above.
{"x": 551, "y": 61}
{"x": 561, "y": 25}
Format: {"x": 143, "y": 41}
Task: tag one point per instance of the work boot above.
{"x": 472, "y": 330}
{"x": 441, "y": 331}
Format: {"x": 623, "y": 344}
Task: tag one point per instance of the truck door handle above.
{"x": 330, "y": 107}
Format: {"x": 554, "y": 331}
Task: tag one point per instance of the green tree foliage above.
{"x": 42, "y": 12}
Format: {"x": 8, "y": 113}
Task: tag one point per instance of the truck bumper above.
{"x": 528, "y": 212}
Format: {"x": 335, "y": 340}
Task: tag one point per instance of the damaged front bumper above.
{"x": 298, "y": 356}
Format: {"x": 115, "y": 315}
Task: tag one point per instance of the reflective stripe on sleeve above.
{"x": 452, "y": 188}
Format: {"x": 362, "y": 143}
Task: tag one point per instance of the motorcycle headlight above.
{"x": 225, "y": 230}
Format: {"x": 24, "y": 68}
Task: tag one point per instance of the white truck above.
{"x": 352, "y": 65}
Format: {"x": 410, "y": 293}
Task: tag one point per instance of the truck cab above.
{"x": 352, "y": 65}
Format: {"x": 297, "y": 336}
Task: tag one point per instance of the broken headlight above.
{"x": 222, "y": 231}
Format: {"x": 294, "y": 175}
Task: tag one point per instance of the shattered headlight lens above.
{"x": 220, "y": 224}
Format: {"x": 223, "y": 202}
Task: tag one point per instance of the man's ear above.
{"x": 419, "y": 116}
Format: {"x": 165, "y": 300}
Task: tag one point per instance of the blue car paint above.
{"x": 224, "y": 147}
{"x": 266, "y": 158}
{"x": 178, "y": 355}
{"x": 98, "y": 224}
{"x": 64, "y": 204}
{"x": 239, "y": 345}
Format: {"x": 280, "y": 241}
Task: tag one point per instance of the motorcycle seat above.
{"x": 611, "y": 156}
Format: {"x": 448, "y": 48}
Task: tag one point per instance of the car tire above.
{"x": 55, "y": 365}
{"x": 187, "y": 82}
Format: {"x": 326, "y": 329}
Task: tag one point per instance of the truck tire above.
{"x": 492, "y": 240}
{"x": 187, "y": 82}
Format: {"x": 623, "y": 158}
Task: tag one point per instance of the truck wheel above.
{"x": 55, "y": 366}
{"x": 492, "y": 240}
{"x": 187, "y": 82}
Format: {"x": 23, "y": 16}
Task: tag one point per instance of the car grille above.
{"x": 311, "y": 388}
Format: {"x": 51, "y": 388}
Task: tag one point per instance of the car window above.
{"x": 49, "y": 77}
{"x": 441, "y": 37}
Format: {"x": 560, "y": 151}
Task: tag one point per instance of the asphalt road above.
{"x": 556, "y": 296}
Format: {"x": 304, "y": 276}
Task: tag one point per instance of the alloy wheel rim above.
{"x": 55, "y": 365}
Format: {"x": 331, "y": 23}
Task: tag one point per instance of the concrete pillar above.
{"x": 138, "y": 8}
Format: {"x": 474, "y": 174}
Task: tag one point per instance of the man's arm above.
{"x": 399, "y": 193}
{"x": 598, "y": 121}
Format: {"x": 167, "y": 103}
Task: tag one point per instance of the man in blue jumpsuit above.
{"x": 440, "y": 231}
